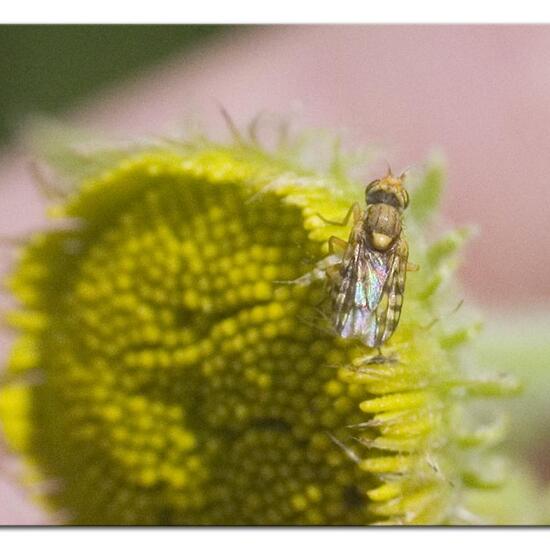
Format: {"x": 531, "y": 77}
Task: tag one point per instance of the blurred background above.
{"x": 479, "y": 95}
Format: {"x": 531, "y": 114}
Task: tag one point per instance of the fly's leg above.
{"x": 318, "y": 273}
{"x": 323, "y": 268}
{"x": 327, "y": 267}
{"x": 334, "y": 243}
{"x": 362, "y": 364}
{"x": 412, "y": 267}
{"x": 332, "y": 278}
{"x": 355, "y": 211}
{"x": 382, "y": 359}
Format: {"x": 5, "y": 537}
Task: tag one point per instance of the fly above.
{"x": 368, "y": 281}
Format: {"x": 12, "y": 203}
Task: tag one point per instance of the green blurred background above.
{"x": 47, "y": 68}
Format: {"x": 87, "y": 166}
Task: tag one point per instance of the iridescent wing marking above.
{"x": 368, "y": 300}
{"x": 362, "y": 280}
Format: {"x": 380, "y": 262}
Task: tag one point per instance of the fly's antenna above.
{"x": 389, "y": 173}
{"x": 406, "y": 171}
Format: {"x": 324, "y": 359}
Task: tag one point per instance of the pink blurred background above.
{"x": 480, "y": 94}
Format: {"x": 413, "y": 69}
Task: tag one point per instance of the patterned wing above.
{"x": 362, "y": 281}
{"x": 389, "y": 308}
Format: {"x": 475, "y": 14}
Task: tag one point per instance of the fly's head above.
{"x": 388, "y": 190}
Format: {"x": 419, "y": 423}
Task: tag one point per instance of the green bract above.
{"x": 179, "y": 380}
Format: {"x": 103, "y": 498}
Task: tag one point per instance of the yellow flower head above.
{"x": 165, "y": 373}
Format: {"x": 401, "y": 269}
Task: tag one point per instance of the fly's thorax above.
{"x": 382, "y": 225}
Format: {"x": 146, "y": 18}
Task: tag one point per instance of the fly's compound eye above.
{"x": 370, "y": 187}
{"x": 405, "y": 198}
